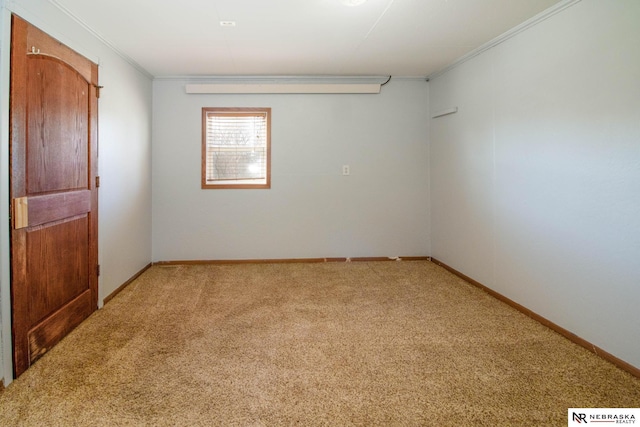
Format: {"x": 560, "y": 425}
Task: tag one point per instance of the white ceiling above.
{"x": 299, "y": 37}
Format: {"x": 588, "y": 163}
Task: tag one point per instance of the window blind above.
{"x": 236, "y": 147}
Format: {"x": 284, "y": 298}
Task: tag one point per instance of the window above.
{"x": 236, "y": 147}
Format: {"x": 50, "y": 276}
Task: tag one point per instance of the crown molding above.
{"x": 557, "y": 8}
{"x": 102, "y": 39}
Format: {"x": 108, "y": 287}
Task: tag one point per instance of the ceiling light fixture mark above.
{"x": 353, "y": 2}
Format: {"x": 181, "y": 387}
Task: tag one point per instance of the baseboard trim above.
{"x": 289, "y": 260}
{"x": 546, "y": 322}
{"x": 125, "y": 284}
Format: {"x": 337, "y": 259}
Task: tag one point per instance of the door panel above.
{"x": 57, "y": 254}
{"x": 48, "y": 207}
{"x": 53, "y": 162}
{"x": 46, "y": 334}
{"x": 57, "y": 110}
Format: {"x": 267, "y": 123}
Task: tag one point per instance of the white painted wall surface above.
{"x": 124, "y": 155}
{"x": 125, "y": 174}
{"x": 311, "y": 210}
{"x": 535, "y": 182}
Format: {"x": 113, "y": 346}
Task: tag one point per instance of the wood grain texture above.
{"x": 57, "y": 139}
{"x": 57, "y": 260}
{"x": 48, "y": 46}
{"x": 17, "y": 157}
{"x": 93, "y": 185}
{"x": 18, "y": 108}
{"x": 20, "y": 302}
{"x": 50, "y": 207}
{"x": 53, "y": 162}
{"x": 20, "y": 212}
{"x": 48, "y": 333}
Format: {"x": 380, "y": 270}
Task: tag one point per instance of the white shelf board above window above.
{"x": 286, "y": 84}
{"x": 282, "y": 88}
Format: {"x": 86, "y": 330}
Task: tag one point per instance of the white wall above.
{"x": 311, "y": 210}
{"x": 535, "y": 182}
{"x": 124, "y": 155}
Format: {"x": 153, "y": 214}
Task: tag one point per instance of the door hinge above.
{"x": 97, "y": 181}
{"x": 98, "y": 90}
{"x": 98, "y": 269}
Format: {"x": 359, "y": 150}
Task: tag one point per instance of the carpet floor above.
{"x": 372, "y": 343}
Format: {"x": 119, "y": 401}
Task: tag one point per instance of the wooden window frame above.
{"x": 227, "y": 111}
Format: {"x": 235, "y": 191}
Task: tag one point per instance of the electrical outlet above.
{"x": 345, "y": 170}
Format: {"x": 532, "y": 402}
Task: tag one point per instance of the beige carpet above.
{"x": 379, "y": 343}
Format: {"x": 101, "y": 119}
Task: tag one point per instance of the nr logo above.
{"x": 579, "y": 418}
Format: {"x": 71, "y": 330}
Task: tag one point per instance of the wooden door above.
{"x": 53, "y": 162}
